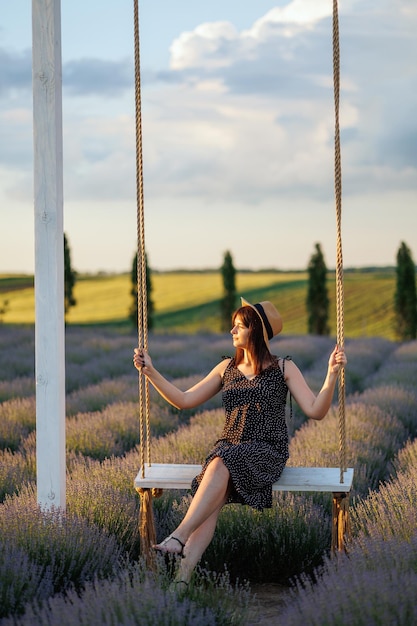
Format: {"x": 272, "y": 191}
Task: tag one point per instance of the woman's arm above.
{"x": 315, "y": 406}
{"x": 196, "y": 395}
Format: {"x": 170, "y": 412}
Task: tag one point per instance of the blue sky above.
{"x": 238, "y": 127}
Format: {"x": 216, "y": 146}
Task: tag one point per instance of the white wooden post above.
{"x": 49, "y": 254}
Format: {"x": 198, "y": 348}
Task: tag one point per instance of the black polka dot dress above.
{"x": 254, "y": 441}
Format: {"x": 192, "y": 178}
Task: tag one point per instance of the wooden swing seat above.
{"x": 319, "y": 479}
{"x": 176, "y": 476}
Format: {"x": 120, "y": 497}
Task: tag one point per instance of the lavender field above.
{"x": 84, "y": 566}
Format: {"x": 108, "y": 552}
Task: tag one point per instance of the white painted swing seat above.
{"x": 176, "y": 476}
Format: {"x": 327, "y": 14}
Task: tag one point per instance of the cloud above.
{"x": 247, "y": 112}
{"x": 219, "y": 44}
{"x": 97, "y": 77}
{"x": 209, "y": 44}
{"x": 242, "y": 122}
{"x": 99, "y": 158}
{"x": 16, "y": 143}
{"x": 301, "y": 12}
{"x": 87, "y": 76}
{"x": 282, "y": 66}
{"x": 15, "y": 71}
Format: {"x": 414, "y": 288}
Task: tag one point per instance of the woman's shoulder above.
{"x": 223, "y": 365}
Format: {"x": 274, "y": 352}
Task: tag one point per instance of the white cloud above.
{"x": 238, "y": 134}
{"x": 408, "y": 8}
{"x": 301, "y": 12}
{"x": 207, "y": 41}
{"x": 99, "y": 157}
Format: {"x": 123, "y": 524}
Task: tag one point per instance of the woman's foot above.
{"x": 179, "y": 586}
{"x": 171, "y": 545}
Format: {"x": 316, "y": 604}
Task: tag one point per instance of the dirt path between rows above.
{"x": 267, "y": 604}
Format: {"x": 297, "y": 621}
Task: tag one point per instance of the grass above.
{"x": 189, "y": 302}
{"x": 11, "y": 282}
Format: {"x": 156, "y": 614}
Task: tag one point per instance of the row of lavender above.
{"x": 98, "y": 538}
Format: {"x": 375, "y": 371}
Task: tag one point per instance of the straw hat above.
{"x": 269, "y": 316}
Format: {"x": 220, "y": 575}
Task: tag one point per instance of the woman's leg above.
{"x": 211, "y": 495}
{"x": 196, "y": 545}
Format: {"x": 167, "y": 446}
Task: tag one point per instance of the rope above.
{"x": 147, "y": 531}
{"x": 145, "y": 437}
{"x": 339, "y": 256}
{"x": 145, "y": 453}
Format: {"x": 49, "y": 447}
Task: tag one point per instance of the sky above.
{"x": 238, "y": 133}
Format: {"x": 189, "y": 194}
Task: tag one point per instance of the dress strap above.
{"x": 285, "y": 358}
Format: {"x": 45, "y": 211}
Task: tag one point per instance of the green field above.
{"x": 189, "y": 301}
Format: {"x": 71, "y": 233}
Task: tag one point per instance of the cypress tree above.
{"x": 133, "y": 312}
{"x": 228, "y": 302}
{"x": 317, "y": 295}
{"x": 405, "y": 299}
{"x": 69, "y": 278}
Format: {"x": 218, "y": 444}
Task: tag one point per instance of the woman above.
{"x": 253, "y": 448}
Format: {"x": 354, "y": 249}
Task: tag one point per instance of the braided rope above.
{"x": 141, "y": 258}
{"x": 339, "y": 257}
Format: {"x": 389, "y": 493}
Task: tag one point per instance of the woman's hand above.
{"x": 196, "y": 395}
{"x": 337, "y": 359}
{"x": 141, "y": 359}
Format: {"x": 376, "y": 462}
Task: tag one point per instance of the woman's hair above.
{"x": 256, "y": 341}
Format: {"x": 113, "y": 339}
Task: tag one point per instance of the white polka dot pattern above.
{"x": 254, "y": 441}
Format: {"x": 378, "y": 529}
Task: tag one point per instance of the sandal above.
{"x": 159, "y": 547}
{"x": 179, "y": 586}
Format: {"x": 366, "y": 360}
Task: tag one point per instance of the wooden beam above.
{"x": 49, "y": 253}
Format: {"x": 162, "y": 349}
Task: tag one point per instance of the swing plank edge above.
{"x": 176, "y": 476}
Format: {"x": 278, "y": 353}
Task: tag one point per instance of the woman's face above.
{"x": 240, "y": 333}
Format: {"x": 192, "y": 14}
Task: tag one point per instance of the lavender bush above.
{"x": 17, "y": 388}
{"x": 16, "y": 470}
{"x": 71, "y": 550}
{"x": 17, "y": 420}
{"x": 86, "y": 548}
{"x": 400, "y": 402}
{"x": 399, "y": 369}
{"x": 102, "y": 494}
{"x": 373, "y": 439}
{"x": 374, "y": 585}
{"x": 389, "y": 512}
{"x": 104, "y": 433}
{"x": 17, "y": 352}
{"x": 97, "y": 397}
{"x": 191, "y": 443}
{"x": 93, "y": 357}
{"x": 22, "y": 580}
{"x": 406, "y": 460}
{"x": 366, "y": 356}
{"x": 139, "y": 597}
{"x": 272, "y": 546}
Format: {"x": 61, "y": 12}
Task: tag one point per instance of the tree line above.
{"x": 317, "y": 298}
{"x": 405, "y": 295}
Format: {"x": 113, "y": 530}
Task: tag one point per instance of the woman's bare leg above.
{"x": 211, "y": 495}
{"x": 196, "y": 545}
